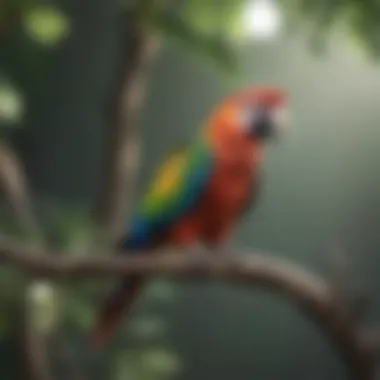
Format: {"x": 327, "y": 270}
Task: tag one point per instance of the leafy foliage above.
{"x": 11, "y": 104}
{"x": 67, "y": 228}
{"x": 357, "y": 20}
{"x": 28, "y": 30}
{"x": 209, "y": 29}
{"x": 214, "y": 48}
{"x": 46, "y": 25}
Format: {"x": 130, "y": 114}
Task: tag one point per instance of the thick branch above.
{"x": 122, "y": 146}
{"x": 307, "y": 291}
{"x": 350, "y": 294}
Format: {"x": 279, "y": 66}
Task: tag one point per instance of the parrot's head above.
{"x": 255, "y": 114}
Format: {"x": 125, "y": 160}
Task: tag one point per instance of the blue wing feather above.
{"x": 147, "y": 226}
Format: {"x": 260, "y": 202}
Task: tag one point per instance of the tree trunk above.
{"x": 122, "y": 146}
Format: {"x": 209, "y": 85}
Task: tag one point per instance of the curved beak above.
{"x": 282, "y": 118}
{"x": 270, "y": 123}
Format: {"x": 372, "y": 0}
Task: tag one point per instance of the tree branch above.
{"x": 15, "y": 187}
{"x": 122, "y": 146}
{"x": 14, "y": 184}
{"x": 308, "y": 292}
{"x": 348, "y": 288}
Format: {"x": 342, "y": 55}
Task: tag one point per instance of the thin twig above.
{"x": 14, "y": 184}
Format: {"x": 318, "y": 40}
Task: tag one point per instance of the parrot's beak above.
{"x": 269, "y": 123}
{"x": 281, "y": 119}
{"x": 281, "y": 122}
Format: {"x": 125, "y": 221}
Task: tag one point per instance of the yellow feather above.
{"x": 166, "y": 180}
{"x": 168, "y": 175}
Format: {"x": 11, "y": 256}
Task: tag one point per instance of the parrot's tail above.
{"x": 117, "y": 305}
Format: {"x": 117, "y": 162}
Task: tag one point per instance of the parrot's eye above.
{"x": 261, "y": 121}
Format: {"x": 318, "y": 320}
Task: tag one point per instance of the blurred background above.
{"x": 83, "y": 80}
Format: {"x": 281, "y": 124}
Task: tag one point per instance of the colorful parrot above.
{"x": 201, "y": 191}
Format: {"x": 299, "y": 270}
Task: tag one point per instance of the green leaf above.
{"x": 128, "y": 365}
{"x": 215, "y": 16}
{"x": 11, "y": 103}
{"x": 215, "y": 48}
{"x": 161, "y": 361}
{"x": 68, "y": 229}
{"x": 42, "y": 305}
{"x": 356, "y": 20}
{"x": 79, "y": 311}
{"x": 160, "y": 289}
{"x": 147, "y": 327}
{"x": 46, "y": 24}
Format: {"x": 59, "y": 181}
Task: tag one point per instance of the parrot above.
{"x": 200, "y": 192}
